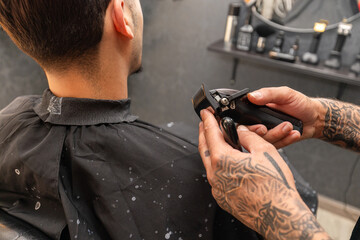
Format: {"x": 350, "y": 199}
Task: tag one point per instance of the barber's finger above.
{"x": 210, "y": 109}
{"x": 279, "y": 132}
{"x": 293, "y": 137}
{"x": 214, "y": 138}
{"x": 204, "y": 150}
{"x": 291, "y": 109}
{"x": 278, "y": 95}
{"x": 259, "y": 129}
{"x": 251, "y": 141}
{"x": 213, "y": 133}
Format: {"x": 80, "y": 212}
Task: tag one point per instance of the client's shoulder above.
{"x": 19, "y": 106}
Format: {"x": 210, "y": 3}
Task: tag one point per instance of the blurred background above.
{"x": 176, "y": 61}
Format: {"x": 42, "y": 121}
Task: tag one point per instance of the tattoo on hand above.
{"x": 342, "y": 124}
{"x": 207, "y": 153}
{"x": 268, "y": 218}
{"x": 251, "y": 185}
{"x": 278, "y": 169}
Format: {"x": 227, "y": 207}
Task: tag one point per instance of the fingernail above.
{"x": 201, "y": 124}
{"x": 260, "y": 131}
{"x": 256, "y": 94}
{"x": 286, "y": 128}
{"x": 202, "y": 113}
{"x": 243, "y": 128}
{"x": 295, "y": 134}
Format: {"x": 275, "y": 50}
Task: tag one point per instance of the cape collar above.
{"x": 82, "y": 111}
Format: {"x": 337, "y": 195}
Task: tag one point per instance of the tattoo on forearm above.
{"x": 342, "y": 124}
{"x": 276, "y": 219}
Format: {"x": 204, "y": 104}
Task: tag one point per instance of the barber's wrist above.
{"x": 294, "y": 219}
{"x": 321, "y": 111}
{"x": 321, "y": 236}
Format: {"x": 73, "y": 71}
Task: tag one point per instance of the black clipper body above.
{"x": 230, "y": 103}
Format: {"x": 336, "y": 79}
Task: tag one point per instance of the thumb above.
{"x": 277, "y": 95}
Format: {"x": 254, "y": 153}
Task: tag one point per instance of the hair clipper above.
{"x": 233, "y": 107}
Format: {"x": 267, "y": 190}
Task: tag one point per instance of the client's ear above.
{"x": 121, "y": 21}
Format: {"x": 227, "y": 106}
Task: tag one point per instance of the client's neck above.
{"x": 107, "y": 81}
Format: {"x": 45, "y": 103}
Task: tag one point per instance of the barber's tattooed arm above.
{"x": 330, "y": 120}
{"x": 256, "y": 187}
{"x": 260, "y": 196}
{"x": 341, "y": 124}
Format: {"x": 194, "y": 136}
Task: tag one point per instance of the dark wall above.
{"x": 19, "y": 74}
{"x": 176, "y": 62}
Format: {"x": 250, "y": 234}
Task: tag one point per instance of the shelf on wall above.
{"x": 342, "y": 75}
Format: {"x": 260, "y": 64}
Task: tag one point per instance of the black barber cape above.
{"x": 91, "y": 168}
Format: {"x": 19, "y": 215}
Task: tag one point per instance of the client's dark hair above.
{"x": 54, "y": 32}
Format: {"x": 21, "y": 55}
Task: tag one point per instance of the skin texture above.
{"x": 342, "y": 124}
{"x": 256, "y": 187}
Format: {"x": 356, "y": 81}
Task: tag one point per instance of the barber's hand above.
{"x": 256, "y": 187}
{"x": 293, "y": 103}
